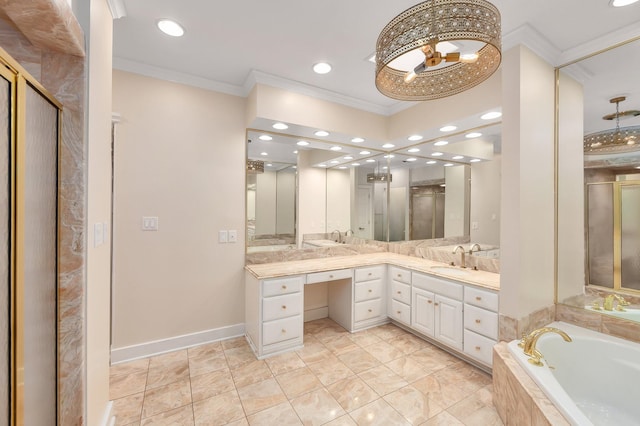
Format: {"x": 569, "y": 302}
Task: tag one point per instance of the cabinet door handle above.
{"x": 436, "y": 304}
{"x": 477, "y": 348}
{"x": 284, "y": 306}
{"x": 330, "y": 276}
{"x": 399, "y": 292}
{"x": 284, "y": 331}
{"x": 478, "y": 321}
{"x": 284, "y": 287}
{"x": 370, "y": 310}
{"x": 370, "y": 291}
{"x": 370, "y": 273}
{"x": 478, "y": 298}
{"x": 429, "y": 301}
{"x": 398, "y": 312}
{"x": 399, "y": 275}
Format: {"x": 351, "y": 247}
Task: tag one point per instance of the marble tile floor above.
{"x": 381, "y": 376}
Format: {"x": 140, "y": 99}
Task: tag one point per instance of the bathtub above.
{"x": 593, "y": 380}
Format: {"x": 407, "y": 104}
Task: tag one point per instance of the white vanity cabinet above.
{"x": 399, "y": 307}
{"x": 480, "y": 323}
{"x": 437, "y": 309}
{"x": 369, "y": 307}
{"x": 273, "y": 310}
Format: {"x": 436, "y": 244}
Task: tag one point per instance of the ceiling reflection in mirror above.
{"x": 609, "y": 90}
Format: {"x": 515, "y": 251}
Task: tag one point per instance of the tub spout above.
{"x": 530, "y": 343}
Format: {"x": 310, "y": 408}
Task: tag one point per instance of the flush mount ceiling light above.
{"x": 441, "y": 143}
{"x": 388, "y": 145}
{"x": 322, "y": 68}
{"x": 302, "y": 143}
{"x": 336, "y": 148}
{"x": 623, "y": 139}
{"x": 365, "y": 152}
{"x": 448, "y": 128}
{"x": 473, "y": 135}
{"x": 414, "y": 138}
{"x": 170, "y": 27}
{"x": 357, "y": 140}
{"x": 491, "y": 115}
{"x": 412, "y": 150}
{"x": 265, "y": 138}
{"x": 436, "y": 154}
{"x": 255, "y": 166}
{"x": 321, "y": 133}
{"x": 415, "y": 57}
{"x": 280, "y": 126}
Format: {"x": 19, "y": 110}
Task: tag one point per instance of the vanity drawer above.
{"x": 278, "y": 286}
{"x": 281, "y": 330}
{"x": 481, "y": 321}
{"x": 400, "y": 312}
{"x": 320, "y": 277}
{"x": 438, "y": 286}
{"x": 400, "y": 274}
{"x": 367, "y": 310}
{"x": 401, "y": 292}
{"x": 368, "y": 290}
{"x": 369, "y": 273}
{"x": 483, "y": 298}
{"x": 281, "y": 306}
{"x": 478, "y": 347}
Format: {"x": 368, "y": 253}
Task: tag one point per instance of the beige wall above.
{"x": 180, "y": 155}
{"x": 485, "y": 201}
{"x": 98, "y": 210}
{"x": 527, "y": 214}
{"x": 312, "y": 197}
{"x": 338, "y": 200}
{"x": 456, "y": 201}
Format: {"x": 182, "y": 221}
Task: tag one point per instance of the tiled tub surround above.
{"x": 338, "y": 378}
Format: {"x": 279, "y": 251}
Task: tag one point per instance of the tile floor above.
{"x": 381, "y": 376}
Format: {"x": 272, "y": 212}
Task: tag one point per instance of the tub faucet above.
{"x": 530, "y": 343}
{"x": 339, "y": 239}
{"x": 462, "y": 262}
{"x": 608, "y": 302}
{"x": 474, "y": 246}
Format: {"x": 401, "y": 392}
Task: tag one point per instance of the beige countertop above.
{"x": 298, "y": 267}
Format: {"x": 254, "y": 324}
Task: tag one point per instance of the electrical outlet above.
{"x": 233, "y": 236}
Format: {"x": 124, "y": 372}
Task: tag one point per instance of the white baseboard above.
{"x": 108, "y": 419}
{"x": 315, "y": 314}
{"x": 143, "y": 350}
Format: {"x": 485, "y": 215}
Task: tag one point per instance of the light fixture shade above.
{"x": 255, "y": 166}
{"x": 379, "y": 177}
{"x": 624, "y": 139}
{"x": 436, "y": 21}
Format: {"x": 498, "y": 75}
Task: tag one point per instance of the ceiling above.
{"x": 230, "y": 45}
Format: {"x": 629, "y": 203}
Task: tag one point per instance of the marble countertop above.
{"x": 280, "y": 269}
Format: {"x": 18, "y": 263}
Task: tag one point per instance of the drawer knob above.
{"x": 399, "y": 292}
{"x": 284, "y": 331}
{"x": 284, "y": 306}
{"x": 284, "y": 287}
{"x": 398, "y": 312}
{"x": 330, "y": 276}
{"x": 436, "y": 304}
{"x": 370, "y": 310}
{"x": 478, "y": 298}
{"x": 478, "y": 321}
{"x": 370, "y": 273}
{"x": 399, "y": 275}
{"x": 429, "y": 301}
{"x": 370, "y": 290}
{"x": 477, "y": 348}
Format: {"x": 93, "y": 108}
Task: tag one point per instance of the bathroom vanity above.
{"x": 453, "y": 307}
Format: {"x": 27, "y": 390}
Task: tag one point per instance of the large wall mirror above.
{"x": 599, "y": 182}
{"x": 429, "y": 188}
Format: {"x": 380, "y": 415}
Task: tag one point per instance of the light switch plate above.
{"x": 233, "y": 236}
{"x": 223, "y": 236}
{"x": 98, "y": 234}
{"x": 149, "y": 223}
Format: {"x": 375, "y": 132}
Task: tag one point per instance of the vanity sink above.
{"x": 450, "y": 270}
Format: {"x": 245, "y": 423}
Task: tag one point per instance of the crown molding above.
{"x": 530, "y": 37}
{"x": 621, "y": 35}
{"x": 117, "y": 8}
{"x": 259, "y": 77}
{"x": 176, "y": 76}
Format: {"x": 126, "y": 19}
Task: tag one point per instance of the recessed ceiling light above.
{"x": 357, "y": 140}
{"x": 334, "y": 162}
{"x": 441, "y": 143}
{"x": 621, "y": 3}
{"x": 322, "y": 68}
{"x": 342, "y": 167}
{"x": 348, "y": 157}
{"x": 443, "y": 185}
{"x": 389, "y": 156}
{"x": 457, "y": 157}
{"x": 263, "y": 153}
{"x": 491, "y": 115}
{"x": 431, "y": 162}
{"x": 265, "y": 138}
{"x": 364, "y": 153}
{"x": 448, "y": 128}
{"x": 322, "y": 165}
{"x": 280, "y": 126}
{"x": 388, "y": 145}
{"x": 414, "y": 150}
{"x": 473, "y": 135}
{"x": 269, "y": 165}
{"x": 371, "y": 160}
{"x": 295, "y": 152}
{"x": 170, "y": 27}
{"x": 321, "y": 133}
{"x": 385, "y": 168}
{"x": 448, "y": 164}
{"x": 474, "y": 160}
{"x": 436, "y": 154}
{"x": 336, "y": 148}
{"x": 302, "y": 143}
{"x": 355, "y": 164}
{"x": 414, "y": 138}
{"x": 411, "y": 159}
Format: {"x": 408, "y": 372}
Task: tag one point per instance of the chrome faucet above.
{"x": 339, "y": 239}
{"x": 462, "y": 260}
{"x": 608, "y": 302}
{"x": 530, "y": 343}
{"x": 474, "y": 246}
